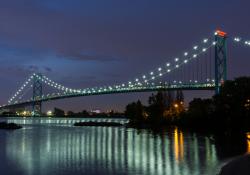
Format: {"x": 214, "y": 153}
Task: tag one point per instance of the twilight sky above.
{"x": 95, "y": 42}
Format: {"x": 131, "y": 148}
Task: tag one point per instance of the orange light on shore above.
{"x": 248, "y": 135}
{"x": 220, "y": 33}
{"x": 248, "y": 142}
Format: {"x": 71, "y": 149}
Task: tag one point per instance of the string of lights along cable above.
{"x": 194, "y": 66}
{"x": 241, "y": 41}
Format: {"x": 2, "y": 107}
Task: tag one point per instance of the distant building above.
{"x": 95, "y": 111}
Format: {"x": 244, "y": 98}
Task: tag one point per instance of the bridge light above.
{"x": 176, "y": 59}
{"x": 176, "y": 65}
{"x": 214, "y": 43}
{"x": 194, "y": 56}
{"x": 247, "y": 43}
{"x": 195, "y": 47}
{"x": 153, "y": 78}
{"x": 237, "y": 39}
{"x": 185, "y": 61}
{"x": 168, "y": 70}
{"x": 205, "y": 40}
{"x": 160, "y": 74}
{"x": 143, "y": 76}
{"x": 204, "y": 50}
{"x": 168, "y": 64}
{"x": 186, "y": 54}
{"x": 220, "y": 33}
{"x": 196, "y": 81}
{"x": 136, "y": 79}
{"x": 159, "y": 69}
{"x": 49, "y": 113}
{"x": 151, "y": 73}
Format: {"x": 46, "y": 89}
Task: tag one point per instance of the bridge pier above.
{"x": 220, "y": 60}
{"x": 37, "y": 95}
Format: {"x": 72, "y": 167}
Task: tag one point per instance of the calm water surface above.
{"x": 48, "y": 149}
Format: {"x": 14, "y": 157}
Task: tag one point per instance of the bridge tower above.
{"x": 220, "y": 59}
{"x": 37, "y": 94}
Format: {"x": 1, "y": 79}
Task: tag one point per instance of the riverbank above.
{"x": 240, "y": 165}
{"x": 9, "y": 126}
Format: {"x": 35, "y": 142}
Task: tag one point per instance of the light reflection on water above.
{"x": 50, "y": 149}
{"x": 248, "y": 142}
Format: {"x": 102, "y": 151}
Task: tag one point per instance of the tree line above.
{"x": 229, "y": 110}
{"x": 162, "y": 107}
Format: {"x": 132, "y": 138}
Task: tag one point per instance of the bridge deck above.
{"x": 116, "y": 91}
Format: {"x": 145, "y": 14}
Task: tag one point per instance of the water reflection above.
{"x": 101, "y": 150}
{"x": 59, "y": 121}
{"x": 248, "y": 143}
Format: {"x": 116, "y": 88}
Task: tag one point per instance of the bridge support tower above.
{"x": 220, "y": 60}
{"x": 37, "y": 95}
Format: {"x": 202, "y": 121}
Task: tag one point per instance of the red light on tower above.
{"x": 220, "y": 33}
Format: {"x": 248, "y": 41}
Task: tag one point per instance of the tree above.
{"x": 85, "y": 113}
{"x": 233, "y": 103}
{"x": 58, "y": 112}
{"x": 70, "y": 113}
{"x": 135, "y": 112}
{"x": 179, "y": 96}
{"x": 157, "y": 106}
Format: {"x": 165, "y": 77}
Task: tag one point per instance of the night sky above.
{"x": 93, "y": 43}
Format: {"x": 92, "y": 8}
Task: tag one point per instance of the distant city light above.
{"x": 49, "y": 113}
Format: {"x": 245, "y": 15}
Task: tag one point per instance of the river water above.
{"x": 50, "y": 148}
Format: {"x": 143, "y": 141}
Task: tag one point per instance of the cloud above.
{"x": 35, "y": 68}
{"x": 88, "y": 56}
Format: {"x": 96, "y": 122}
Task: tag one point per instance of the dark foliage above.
{"x": 58, "y": 112}
{"x": 227, "y": 111}
{"x": 4, "y": 125}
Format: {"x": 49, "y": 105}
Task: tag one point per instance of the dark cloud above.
{"x": 33, "y": 68}
{"x": 47, "y": 69}
{"x": 88, "y": 57}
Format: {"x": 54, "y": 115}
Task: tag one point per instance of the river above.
{"x": 49, "y": 148}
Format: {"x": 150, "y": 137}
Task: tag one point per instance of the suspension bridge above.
{"x": 203, "y": 67}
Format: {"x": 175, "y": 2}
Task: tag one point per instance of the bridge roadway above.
{"x": 51, "y": 97}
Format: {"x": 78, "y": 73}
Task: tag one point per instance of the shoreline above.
{"x": 9, "y": 126}
{"x": 239, "y": 165}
